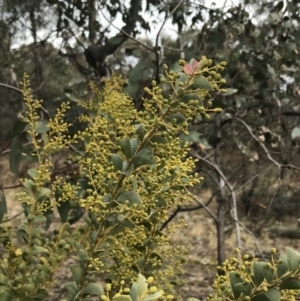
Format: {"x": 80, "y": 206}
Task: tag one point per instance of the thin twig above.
{"x": 158, "y": 34}
{"x": 233, "y": 196}
{"x": 9, "y": 87}
{"x": 207, "y": 210}
{"x": 13, "y": 217}
{"x": 126, "y": 34}
{"x": 279, "y": 165}
{"x": 253, "y": 236}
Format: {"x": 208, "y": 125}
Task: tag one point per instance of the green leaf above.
{"x": 240, "y": 101}
{"x": 93, "y": 289}
{"x": 191, "y": 96}
{"x": 142, "y": 286}
{"x": 144, "y": 157}
{"x": 72, "y": 289}
{"x": 244, "y": 288}
{"x": 164, "y": 188}
{"x": 131, "y": 88}
{"x": 126, "y": 223}
{"x": 192, "y": 137}
{"x": 142, "y": 70}
{"x": 122, "y": 298}
{"x": 182, "y": 79}
{"x": 234, "y": 280}
{"x": 127, "y": 170}
{"x": 125, "y": 147}
{"x": 230, "y": 91}
{"x": 282, "y": 268}
{"x": 161, "y": 202}
{"x": 33, "y": 173}
{"x": 179, "y": 119}
{"x": 295, "y": 132}
{"x": 140, "y": 130}
{"x": 18, "y": 127}
{"x": 77, "y": 273}
{"x": 3, "y": 207}
{"x": 154, "y": 217}
{"x": 278, "y": 7}
{"x": 132, "y": 196}
{"x": 268, "y": 272}
{"x": 292, "y": 259}
{"x": 15, "y": 155}
{"x": 3, "y": 279}
{"x": 201, "y": 83}
{"x": 37, "y": 231}
{"x": 115, "y": 230}
{"x": 6, "y": 293}
{"x": 44, "y": 193}
{"x": 273, "y": 294}
{"x": 39, "y": 219}
{"x": 134, "y": 145}
{"x": 83, "y": 255}
{"x": 259, "y": 269}
{"x": 154, "y": 296}
{"x": 117, "y": 162}
{"x": 23, "y": 233}
{"x": 28, "y": 184}
{"x": 271, "y": 70}
{"x": 37, "y": 250}
{"x": 63, "y": 208}
{"x": 134, "y": 292}
{"x": 159, "y": 139}
{"x": 41, "y": 127}
{"x": 290, "y": 284}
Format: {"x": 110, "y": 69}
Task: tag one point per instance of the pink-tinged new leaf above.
{"x": 195, "y": 65}
{"x": 188, "y": 69}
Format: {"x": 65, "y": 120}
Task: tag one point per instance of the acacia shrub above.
{"x": 127, "y": 169}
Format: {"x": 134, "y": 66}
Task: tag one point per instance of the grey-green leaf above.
{"x": 72, "y": 289}
{"x": 140, "y": 130}
{"x": 125, "y": 147}
{"x": 291, "y": 284}
{"x": 295, "y": 132}
{"x": 144, "y": 157}
{"x": 122, "y": 298}
{"x": 201, "y": 83}
{"x": 94, "y": 289}
{"x": 117, "y": 162}
{"x": 292, "y": 259}
{"x": 41, "y": 127}
{"x": 282, "y": 268}
{"x": 77, "y": 273}
{"x": 234, "y": 280}
{"x": 134, "y": 292}
{"x": 132, "y": 197}
{"x": 33, "y": 173}
{"x": 3, "y": 206}
{"x": 15, "y": 155}
{"x": 134, "y": 145}
{"x": 45, "y": 192}
{"x": 273, "y": 294}
{"x": 244, "y": 288}
{"x": 154, "y": 296}
{"x": 191, "y": 96}
{"x": 142, "y": 286}
{"x": 179, "y": 119}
